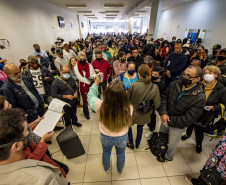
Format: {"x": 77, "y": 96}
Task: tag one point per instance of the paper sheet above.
{"x": 49, "y": 122}
{"x": 57, "y": 105}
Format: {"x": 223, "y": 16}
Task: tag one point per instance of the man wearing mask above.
{"x": 42, "y": 56}
{"x": 136, "y": 57}
{"x": 101, "y": 65}
{"x": 65, "y": 89}
{"x": 174, "y": 64}
{"x": 215, "y": 52}
{"x": 220, "y": 62}
{"x": 40, "y": 76}
{"x": 60, "y": 60}
{"x": 182, "y": 104}
{"x": 100, "y": 49}
{"x": 21, "y": 93}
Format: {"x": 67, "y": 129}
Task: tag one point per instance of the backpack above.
{"x": 158, "y": 144}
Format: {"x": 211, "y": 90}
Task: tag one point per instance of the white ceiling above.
{"x": 130, "y": 7}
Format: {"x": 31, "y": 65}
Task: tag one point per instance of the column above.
{"x": 156, "y": 9}
{"x": 130, "y": 25}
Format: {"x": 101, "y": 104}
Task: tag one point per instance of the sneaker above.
{"x": 118, "y": 172}
{"x": 77, "y": 124}
{"x": 137, "y": 146}
{"x": 108, "y": 170}
{"x": 199, "y": 149}
{"x": 148, "y": 134}
{"x": 131, "y": 146}
{"x": 87, "y": 117}
{"x": 185, "y": 137}
{"x": 188, "y": 179}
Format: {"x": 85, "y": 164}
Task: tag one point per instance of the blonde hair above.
{"x": 69, "y": 63}
{"x": 213, "y": 69}
{"x": 115, "y": 111}
{"x": 81, "y": 53}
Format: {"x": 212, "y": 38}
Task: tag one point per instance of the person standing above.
{"x": 65, "y": 89}
{"x": 115, "y": 117}
{"x": 119, "y": 65}
{"x": 102, "y": 66}
{"x": 60, "y": 60}
{"x": 136, "y": 93}
{"x": 136, "y": 58}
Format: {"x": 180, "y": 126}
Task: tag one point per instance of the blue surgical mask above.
{"x": 184, "y": 51}
{"x": 66, "y": 76}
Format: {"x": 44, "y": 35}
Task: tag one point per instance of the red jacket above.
{"x": 38, "y": 152}
{"x": 104, "y": 67}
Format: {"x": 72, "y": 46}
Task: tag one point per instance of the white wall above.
{"x": 209, "y": 15}
{"x": 25, "y": 22}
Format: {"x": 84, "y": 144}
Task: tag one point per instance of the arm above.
{"x": 92, "y": 72}
{"x": 80, "y": 77}
{"x": 110, "y": 68}
{"x": 191, "y": 115}
{"x": 217, "y": 107}
{"x": 9, "y": 95}
{"x": 38, "y": 153}
{"x": 55, "y": 91}
{"x": 130, "y": 92}
{"x": 57, "y": 65}
{"x": 164, "y": 102}
{"x": 157, "y": 99}
{"x": 116, "y": 69}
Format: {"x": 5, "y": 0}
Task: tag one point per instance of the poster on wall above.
{"x": 4, "y": 44}
{"x": 72, "y": 24}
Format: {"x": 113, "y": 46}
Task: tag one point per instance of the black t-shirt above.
{"x": 161, "y": 86}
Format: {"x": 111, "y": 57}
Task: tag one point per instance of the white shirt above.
{"x": 82, "y": 79}
{"x": 70, "y": 54}
{"x": 60, "y": 61}
{"x": 42, "y": 53}
{"x": 37, "y": 80}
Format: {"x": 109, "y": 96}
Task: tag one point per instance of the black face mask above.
{"x": 23, "y": 64}
{"x": 99, "y": 59}
{"x": 123, "y": 60}
{"x": 214, "y": 52}
{"x": 185, "y": 81}
{"x": 221, "y": 58}
{"x": 38, "y": 50}
{"x": 131, "y": 72}
{"x": 82, "y": 62}
{"x": 154, "y": 78}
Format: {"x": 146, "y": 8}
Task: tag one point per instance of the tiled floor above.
{"x": 141, "y": 167}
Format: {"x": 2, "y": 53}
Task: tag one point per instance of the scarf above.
{"x": 208, "y": 88}
{"x": 83, "y": 86}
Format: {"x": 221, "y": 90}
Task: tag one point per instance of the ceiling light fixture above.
{"x": 111, "y": 11}
{"x": 84, "y": 11}
{"x": 76, "y": 6}
{"x": 90, "y": 15}
{"x": 111, "y": 15}
{"x": 108, "y": 5}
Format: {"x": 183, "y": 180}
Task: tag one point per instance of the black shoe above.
{"x": 87, "y": 117}
{"x": 199, "y": 148}
{"x": 58, "y": 128}
{"x": 77, "y": 124}
{"x": 49, "y": 142}
{"x": 131, "y": 146}
{"x": 162, "y": 159}
{"x": 185, "y": 137}
{"x": 137, "y": 146}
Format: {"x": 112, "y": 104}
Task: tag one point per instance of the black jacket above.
{"x": 187, "y": 109}
{"x": 58, "y": 89}
{"x": 18, "y": 98}
{"x": 217, "y": 96}
{"x": 138, "y": 61}
{"x": 45, "y": 73}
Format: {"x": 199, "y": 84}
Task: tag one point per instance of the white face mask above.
{"x": 208, "y": 77}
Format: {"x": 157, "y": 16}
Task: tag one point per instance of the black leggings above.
{"x": 199, "y": 133}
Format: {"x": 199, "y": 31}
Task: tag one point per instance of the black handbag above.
{"x": 147, "y": 105}
{"x": 158, "y": 144}
{"x": 211, "y": 176}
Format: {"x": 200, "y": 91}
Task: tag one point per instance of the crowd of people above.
{"x": 113, "y": 74}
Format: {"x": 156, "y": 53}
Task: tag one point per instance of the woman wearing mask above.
{"x": 115, "y": 117}
{"x": 136, "y": 94}
{"x": 119, "y": 65}
{"x": 201, "y": 55}
{"x": 113, "y": 50}
{"x": 164, "y": 49}
{"x": 129, "y": 76}
{"x": 215, "y": 95}
{"x": 85, "y": 74}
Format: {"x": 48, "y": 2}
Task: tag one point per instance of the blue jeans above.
{"x": 139, "y": 134}
{"x": 174, "y": 137}
{"x": 120, "y": 146}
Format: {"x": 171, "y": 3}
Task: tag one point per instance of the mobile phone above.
{"x": 206, "y": 108}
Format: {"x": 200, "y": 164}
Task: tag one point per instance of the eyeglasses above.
{"x": 15, "y": 74}
{"x": 18, "y": 140}
{"x": 188, "y": 75}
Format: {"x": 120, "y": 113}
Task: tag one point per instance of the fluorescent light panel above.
{"x": 111, "y": 11}
{"x": 111, "y": 15}
{"x": 109, "y": 5}
{"x": 90, "y": 15}
{"x": 76, "y": 6}
{"x": 84, "y": 11}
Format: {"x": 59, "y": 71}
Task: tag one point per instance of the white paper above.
{"x": 57, "y": 105}
{"x": 48, "y": 123}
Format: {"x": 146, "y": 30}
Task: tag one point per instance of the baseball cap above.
{"x": 32, "y": 59}
{"x": 186, "y": 46}
{"x": 59, "y": 51}
{"x": 216, "y": 46}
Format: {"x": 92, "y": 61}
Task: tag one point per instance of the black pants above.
{"x": 40, "y": 112}
{"x": 62, "y": 165}
{"x": 199, "y": 133}
{"x": 198, "y": 181}
{"x": 152, "y": 124}
{"x": 102, "y": 86}
{"x": 70, "y": 114}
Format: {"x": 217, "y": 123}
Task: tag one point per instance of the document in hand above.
{"x": 51, "y": 117}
